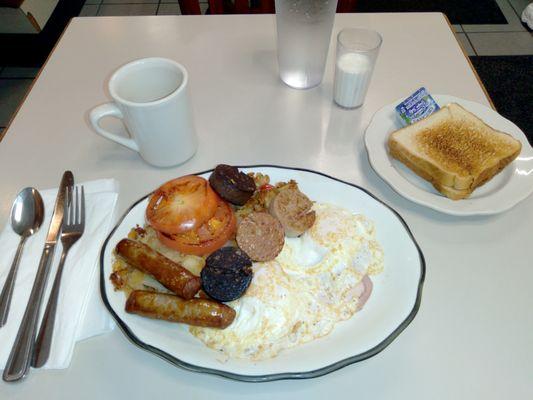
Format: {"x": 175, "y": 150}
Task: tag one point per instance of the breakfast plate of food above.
{"x": 464, "y": 159}
{"x": 261, "y": 273}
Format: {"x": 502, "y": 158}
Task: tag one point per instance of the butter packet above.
{"x": 416, "y": 107}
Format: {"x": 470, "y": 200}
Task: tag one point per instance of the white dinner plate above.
{"x": 502, "y": 192}
{"x": 391, "y": 307}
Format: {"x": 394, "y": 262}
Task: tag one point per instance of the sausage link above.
{"x": 198, "y": 312}
{"x": 170, "y": 274}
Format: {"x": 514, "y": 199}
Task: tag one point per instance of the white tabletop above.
{"x": 472, "y": 336}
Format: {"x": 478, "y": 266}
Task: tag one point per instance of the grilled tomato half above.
{"x": 208, "y": 237}
{"x": 181, "y": 205}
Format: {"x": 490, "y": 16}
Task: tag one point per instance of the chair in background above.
{"x": 190, "y": 7}
{"x": 260, "y": 6}
{"x": 346, "y": 6}
{"x": 241, "y": 7}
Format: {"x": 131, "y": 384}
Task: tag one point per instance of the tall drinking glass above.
{"x": 304, "y": 32}
{"x": 357, "y": 51}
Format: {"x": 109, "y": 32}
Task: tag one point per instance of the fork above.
{"x": 71, "y": 231}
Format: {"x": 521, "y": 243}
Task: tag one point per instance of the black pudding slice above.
{"x": 231, "y": 184}
{"x": 227, "y": 274}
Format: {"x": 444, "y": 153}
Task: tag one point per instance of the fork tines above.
{"x": 75, "y": 207}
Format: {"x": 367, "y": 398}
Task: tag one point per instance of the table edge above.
{"x": 485, "y": 92}
{"x": 6, "y": 128}
{"x": 3, "y": 134}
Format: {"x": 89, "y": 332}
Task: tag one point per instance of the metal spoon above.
{"x": 27, "y": 214}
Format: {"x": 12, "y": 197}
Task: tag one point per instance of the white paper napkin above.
{"x": 80, "y": 313}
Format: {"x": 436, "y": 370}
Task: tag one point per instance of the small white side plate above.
{"x": 502, "y": 192}
{"x": 391, "y": 307}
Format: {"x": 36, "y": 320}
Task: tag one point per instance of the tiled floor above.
{"x": 134, "y": 7}
{"x": 510, "y": 39}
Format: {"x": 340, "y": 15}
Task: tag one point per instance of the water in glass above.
{"x": 304, "y": 33}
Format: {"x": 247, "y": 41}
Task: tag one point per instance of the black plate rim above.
{"x": 286, "y": 375}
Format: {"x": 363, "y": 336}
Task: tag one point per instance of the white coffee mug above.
{"x": 150, "y": 96}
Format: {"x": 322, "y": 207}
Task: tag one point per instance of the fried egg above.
{"x": 315, "y": 282}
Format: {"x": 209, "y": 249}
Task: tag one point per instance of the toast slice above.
{"x": 454, "y": 150}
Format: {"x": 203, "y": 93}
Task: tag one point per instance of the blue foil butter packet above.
{"x": 416, "y": 107}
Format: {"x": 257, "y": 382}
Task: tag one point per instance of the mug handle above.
{"x": 110, "y": 110}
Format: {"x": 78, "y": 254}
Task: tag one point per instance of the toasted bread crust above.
{"x": 489, "y": 173}
{"x": 453, "y": 194}
{"x": 416, "y": 167}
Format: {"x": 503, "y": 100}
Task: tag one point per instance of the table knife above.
{"x": 19, "y": 359}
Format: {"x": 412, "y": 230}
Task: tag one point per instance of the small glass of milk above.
{"x": 357, "y": 51}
